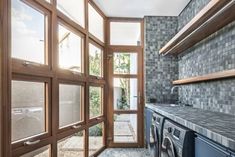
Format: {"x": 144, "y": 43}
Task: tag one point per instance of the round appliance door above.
{"x": 154, "y": 141}
{"x": 167, "y": 148}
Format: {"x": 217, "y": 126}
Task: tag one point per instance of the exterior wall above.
{"x": 159, "y": 71}
{"x": 214, "y": 54}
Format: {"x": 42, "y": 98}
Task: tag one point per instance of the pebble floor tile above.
{"x": 125, "y": 152}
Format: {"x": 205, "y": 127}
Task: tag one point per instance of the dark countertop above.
{"x": 216, "y": 126}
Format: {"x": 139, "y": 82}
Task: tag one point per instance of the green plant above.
{"x": 95, "y": 64}
{"x": 96, "y": 130}
{"x": 122, "y": 65}
{"x": 95, "y": 101}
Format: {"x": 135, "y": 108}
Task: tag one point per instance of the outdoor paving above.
{"x": 123, "y": 130}
{"x": 74, "y": 146}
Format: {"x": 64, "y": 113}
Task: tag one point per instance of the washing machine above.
{"x": 156, "y": 135}
{"x": 178, "y": 141}
{"x": 233, "y": 154}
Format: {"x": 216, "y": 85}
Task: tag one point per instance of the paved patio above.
{"x": 123, "y": 130}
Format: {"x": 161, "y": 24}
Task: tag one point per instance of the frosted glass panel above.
{"x": 70, "y": 101}
{"x": 28, "y": 109}
{"x": 74, "y": 9}
{"x": 96, "y": 23}
{"x": 28, "y": 33}
{"x": 125, "y": 33}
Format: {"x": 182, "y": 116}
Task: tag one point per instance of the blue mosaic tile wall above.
{"x": 159, "y": 71}
{"x": 190, "y": 11}
{"x": 213, "y": 54}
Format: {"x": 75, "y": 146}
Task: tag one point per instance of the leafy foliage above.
{"x": 95, "y": 64}
{"x": 96, "y": 130}
{"x": 95, "y": 101}
{"x": 122, "y": 65}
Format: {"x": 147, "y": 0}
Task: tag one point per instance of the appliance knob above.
{"x": 169, "y": 130}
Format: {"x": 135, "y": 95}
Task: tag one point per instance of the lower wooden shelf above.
{"x": 208, "y": 77}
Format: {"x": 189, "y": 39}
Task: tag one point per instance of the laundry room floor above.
{"x": 125, "y": 152}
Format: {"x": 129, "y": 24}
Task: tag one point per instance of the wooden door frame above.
{"x": 109, "y": 50}
{"x": 140, "y": 109}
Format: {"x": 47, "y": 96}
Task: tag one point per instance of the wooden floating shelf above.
{"x": 213, "y": 17}
{"x": 208, "y": 77}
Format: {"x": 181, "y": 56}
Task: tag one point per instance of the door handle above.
{"x": 139, "y": 97}
{"x": 99, "y": 118}
{"x": 29, "y": 143}
{"x": 76, "y": 126}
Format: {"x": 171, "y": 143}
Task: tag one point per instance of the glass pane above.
{"x": 95, "y": 138}
{"x": 28, "y": 33}
{"x": 41, "y": 152}
{"x": 125, "y": 33}
{"x": 70, "y": 103}
{"x": 95, "y": 60}
{"x": 74, "y": 9}
{"x": 72, "y": 146}
{"x": 96, "y": 23}
{"x": 125, "y": 128}
{"x": 95, "y": 98}
{"x": 125, "y": 94}
{"x": 125, "y": 63}
{"x": 28, "y": 109}
{"x": 70, "y": 50}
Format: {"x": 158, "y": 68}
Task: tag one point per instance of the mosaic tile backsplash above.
{"x": 213, "y": 54}
{"x": 159, "y": 71}
{"x": 194, "y": 7}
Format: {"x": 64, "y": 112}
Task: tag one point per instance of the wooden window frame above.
{"x": 93, "y": 37}
{"x": 15, "y": 67}
{"x": 29, "y": 67}
{"x": 70, "y": 20}
{"x": 82, "y": 106}
{"x": 48, "y": 108}
{"x": 140, "y": 112}
{"x": 62, "y": 71}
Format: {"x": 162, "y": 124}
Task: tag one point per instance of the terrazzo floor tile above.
{"x": 125, "y": 152}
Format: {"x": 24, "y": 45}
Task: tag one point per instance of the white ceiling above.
{"x": 141, "y": 8}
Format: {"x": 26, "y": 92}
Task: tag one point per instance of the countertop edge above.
{"x": 225, "y": 141}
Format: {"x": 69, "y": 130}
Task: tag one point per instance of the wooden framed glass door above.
{"x": 125, "y": 108}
